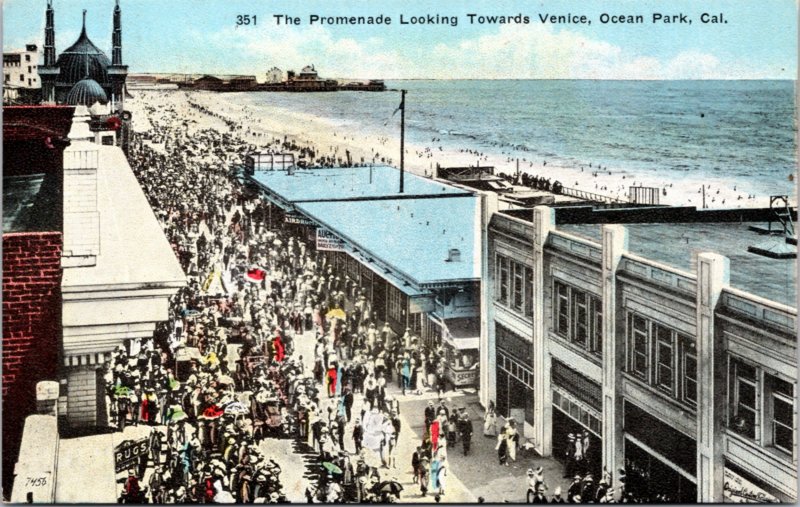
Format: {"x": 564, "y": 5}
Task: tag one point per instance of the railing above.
{"x": 589, "y": 196}
{"x": 760, "y": 309}
{"x": 576, "y": 245}
{"x": 660, "y": 273}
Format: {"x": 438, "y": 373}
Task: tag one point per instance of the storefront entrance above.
{"x": 563, "y": 426}
{"x": 651, "y": 479}
{"x": 514, "y": 390}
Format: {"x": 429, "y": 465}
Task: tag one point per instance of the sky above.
{"x": 757, "y": 40}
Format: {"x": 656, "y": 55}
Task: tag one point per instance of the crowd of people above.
{"x": 262, "y": 289}
{"x": 223, "y": 374}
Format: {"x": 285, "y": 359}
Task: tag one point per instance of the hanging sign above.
{"x": 326, "y": 240}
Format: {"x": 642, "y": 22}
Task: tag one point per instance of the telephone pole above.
{"x": 402, "y": 136}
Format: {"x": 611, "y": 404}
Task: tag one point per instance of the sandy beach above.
{"x": 266, "y": 126}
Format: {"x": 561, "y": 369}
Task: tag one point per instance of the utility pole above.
{"x": 402, "y": 137}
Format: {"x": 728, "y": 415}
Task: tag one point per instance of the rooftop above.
{"x": 411, "y": 235}
{"x": 340, "y": 183}
{"x": 134, "y": 251}
{"x": 32, "y": 123}
{"x": 674, "y": 243}
{"x": 28, "y": 203}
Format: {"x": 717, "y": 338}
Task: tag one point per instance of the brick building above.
{"x": 71, "y": 291}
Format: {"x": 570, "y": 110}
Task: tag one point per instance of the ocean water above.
{"x": 739, "y": 131}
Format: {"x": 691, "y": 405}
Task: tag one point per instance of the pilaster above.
{"x": 713, "y": 273}
{"x": 615, "y": 244}
{"x": 543, "y": 222}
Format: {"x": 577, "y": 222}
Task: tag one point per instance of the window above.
{"x": 514, "y": 285}
{"x": 8, "y": 77}
{"x": 29, "y": 69}
{"x": 28, "y": 58}
{"x": 528, "y": 292}
{"x": 664, "y": 358}
{"x": 518, "y": 282}
{"x": 639, "y": 347}
{"x": 597, "y": 326}
{"x": 22, "y": 77}
{"x": 782, "y": 409}
{"x": 578, "y": 317}
{"x": 743, "y": 398}
{"x": 580, "y": 304}
{"x": 503, "y": 279}
{"x": 395, "y": 304}
{"x": 689, "y": 373}
{"x": 562, "y": 309}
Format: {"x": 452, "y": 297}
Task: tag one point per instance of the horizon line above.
{"x": 498, "y": 79}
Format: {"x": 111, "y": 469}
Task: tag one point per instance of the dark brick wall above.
{"x": 31, "y": 329}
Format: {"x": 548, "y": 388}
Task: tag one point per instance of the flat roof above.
{"x": 673, "y": 244}
{"x": 339, "y": 183}
{"x": 411, "y": 235}
{"x": 30, "y": 203}
{"x": 134, "y": 251}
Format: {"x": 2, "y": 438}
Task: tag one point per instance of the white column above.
{"x": 543, "y": 222}
{"x": 82, "y": 395}
{"x": 615, "y": 244}
{"x": 81, "y": 215}
{"x": 713, "y": 273}
{"x": 488, "y": 206}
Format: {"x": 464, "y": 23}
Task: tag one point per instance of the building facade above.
{"x": 20, "y": 75}
{"x": 82, "y": 74}
{"x": 681, "y": 380}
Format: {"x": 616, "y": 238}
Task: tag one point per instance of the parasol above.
{"x": 177, "y": 414}
{"x": 336, "y": 313}
{"x": 391, "y": 487}
{"x": 121, "y": 391}
{"x": 225, "y": 379}
{"x": 213, "y": 412}
{"x": 330, "y": 467}
{"x": 236, "y": 408}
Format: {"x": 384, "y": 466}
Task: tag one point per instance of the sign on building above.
{"x": 737, "y": 489}
{"x": 292, "y": 218}
{"x": 326, "y": 240}
{"x": 128, "y": 453}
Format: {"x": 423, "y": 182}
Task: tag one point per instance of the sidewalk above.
{"x": 481, "y": 469}
{"x": 85, "y": 469}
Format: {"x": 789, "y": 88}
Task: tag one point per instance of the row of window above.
{"x": 578, "y": 317}
{"x": 514, "y": 285}
{"x": 662, "y": 357}
{"x": 394, "y": 308}
{"x": 761, "y": 406}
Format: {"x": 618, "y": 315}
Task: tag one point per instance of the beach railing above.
{"x": 590, "y": 196}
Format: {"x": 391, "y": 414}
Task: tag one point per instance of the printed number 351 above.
{"x": 245, "y": 19}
